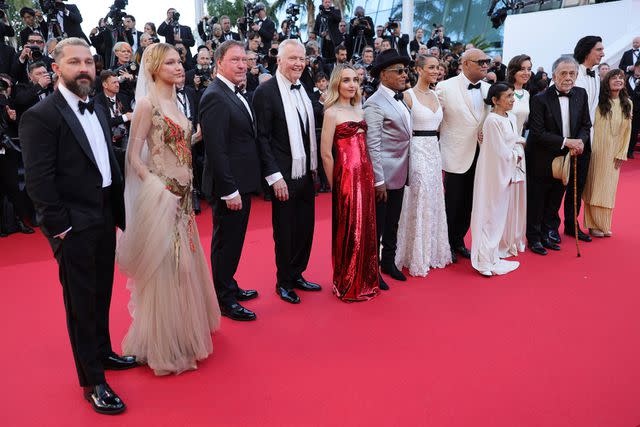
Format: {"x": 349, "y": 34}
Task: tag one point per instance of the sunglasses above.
{"x": 482, "y": 62}
{"x": 400, "y": 71}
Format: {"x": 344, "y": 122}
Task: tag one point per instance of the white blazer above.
{"x": 460, "y": 124}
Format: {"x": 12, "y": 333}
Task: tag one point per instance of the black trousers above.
{"x": 293, "y": 224}
{"x": 633, "y": 140}
{"x": 387, "y": 218}
{"x": 9, "y": 186}
{"x": 85, "y": 264}
{"x": 583, "y": 170}
{"x": 229, "y": 230}
{"x": 544, "y": 197}
{"x": 458, "y": 201}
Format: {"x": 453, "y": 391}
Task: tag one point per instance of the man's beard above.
{"x": 81, "y": 90}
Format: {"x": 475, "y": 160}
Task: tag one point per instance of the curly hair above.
{"x": 584, "y": 46}
{"x": 604, "y": 101}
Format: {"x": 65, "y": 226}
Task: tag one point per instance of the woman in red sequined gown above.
{"x": 173, "y": 302}
{"x": 350, "y": 174}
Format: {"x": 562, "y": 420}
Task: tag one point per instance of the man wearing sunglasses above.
{"x": 462, "y": 100}
{"x": 388, "y": 135}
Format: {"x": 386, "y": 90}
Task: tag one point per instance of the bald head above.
{"x": 636, "y": 42}
{"x": 475, "y": 64}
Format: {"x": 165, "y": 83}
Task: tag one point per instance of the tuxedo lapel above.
{"x": 398, "y": 106}
{"x": 574, "y": 105}
{"x": 235, "y": 100}
{"x": 74, "y": 125}
{"x": 466, "y": 95}
{"x": 554, "y": 106}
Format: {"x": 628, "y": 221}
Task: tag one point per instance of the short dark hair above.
{"x": 515, "y": 65}
{"x": 496, "y": 90}
{"x": 200, "y": 48}
{"x": 27, "y": 11}
{"x": 106, "y": 74}
{"x": 35, "y": 65}
{"x": 319, "y": 76}
{"x": 584, "y": 46}
{"x": 222, "y": 50}
{"x": 339, "y": 48}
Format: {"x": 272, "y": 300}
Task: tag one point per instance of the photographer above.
{"x": 32, "y": 52}
{"x": 125, "y": 69}
{"x": 31, "y": 26}
{"x": 173, "y": 32}
{"x": 38, "y": 87}
{"x": 185, "y": 56}
{"x": 263, "y": 26}
{"x": 106, "y": 36}
{"x": 227, "y": 34}
{"x": 326, "y": 28}
{"x": 133, "y": 35}
{"x": 438, "y": 39}
{"x": 498, "y": 68}
{"x": 397, "y": 40}
{"x": 286, "y": 32}
{"x": 253, "y": 71}
{"x": 200, "y": 77}
{"x": 66, "y": 16}
{"x": 361, "y": 31}
{"x": 6, "y": 29}
{"x": 416, "y": 42}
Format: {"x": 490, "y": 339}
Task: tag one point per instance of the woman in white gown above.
{"x": 514, "y": 239}
{"x": 423, "y": 241}
{"x": 499, "y": 168}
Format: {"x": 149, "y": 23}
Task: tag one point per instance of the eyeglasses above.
{"x": 400, "y": 71}
{"x": 35, "y": 41}
{"x": 482, "y": 62}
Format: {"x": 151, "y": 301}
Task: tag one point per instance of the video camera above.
{"x": 204, "y": 72}
{"x": 116, "y": 12}
{"x": 130, "y": 67}
{"x": 293, "y": 10}
{"x": 51, "y": 8}
{"x": 175, "y": 21}
{"x": 392, "y": 24}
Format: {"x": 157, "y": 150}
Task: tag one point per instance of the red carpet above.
{"x": 556, "y": 343}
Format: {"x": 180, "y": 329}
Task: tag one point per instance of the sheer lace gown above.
{"x": 173, "y": 303}
{"x": 423, "y": 241}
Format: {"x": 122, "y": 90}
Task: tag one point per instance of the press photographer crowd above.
{"x": 27, "y": 77}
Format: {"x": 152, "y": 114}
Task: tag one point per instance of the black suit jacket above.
{"x": 26, "y": 32}
{"x": 273, "y": 136}
{"x": 231, "y": 161}
{"x": 125, "y": 103}
{"x": 267, "y": 30}
{"x": 185, "y": 34}
{"x": 7, "y": 56}
{"x": 72, "y": 22}
{"x": 634, "y": 95}
{"x": 333, "y": 16}
{"x": 545, "y": 128}
{"x": 19, "y": 71}
{"x": 104, "y": 42}
{"x": 626, "y": 60}
{"x": 62, "y": 177}
{"x": 401, "y": 43}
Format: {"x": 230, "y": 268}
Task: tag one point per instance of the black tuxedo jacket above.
{"x": 273, "y": 136}
{"x": 401, "y": 43}
{"x": 267, "y": 30}
{"x": 185, "y": 34}
{"x": 72, "y": 22}
{"x": 26, "y": 32}
{"x": 7, "y": 56}
{"x": 231, "y": 160}
{"x": 634, "y": 95}
{"x": 62, "y": 177}
{"x": 626, "y": 60}
{"x": 19, "y": 71}
{"x": 545, "y": 127}
{"x": 125, "y": 103}
{"x": 26, "y": 95}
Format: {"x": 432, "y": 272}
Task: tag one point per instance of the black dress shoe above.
{"x": 246, "y": 295}
{"x": 304, "y": 285}
{"x": 383, "y": 284}
{"x": 113, "y": 362}
{"x": 582, "y": 236}
{"x": 550, "y": 245}
{"x": 463, "y": 251}
{"x": 454, "y": 257}
{"x": 104, "y": 400}
{"x": 537, "y": 248}
{"x": 237, "y": 312}
{"x": 288, "y": 296}
{"x": 267, "y": 197}
{"x": 393, "y": 271}
{"x": 325, "y": 189}
{"x": 24, "y": 228}
{"x": 554, "y": 236}
{"x": 196, "y": 203}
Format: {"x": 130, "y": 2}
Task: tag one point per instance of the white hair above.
{"x": 289, "y": 42}
{"x": 564, "y": 59}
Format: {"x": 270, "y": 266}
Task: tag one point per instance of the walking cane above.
{"x": 575, "y": 202}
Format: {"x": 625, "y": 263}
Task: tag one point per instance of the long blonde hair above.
{"x": 333, "y": 91}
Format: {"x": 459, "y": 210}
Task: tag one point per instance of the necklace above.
{"x": 519, "y": 95}
{"x": 426, "y": 92}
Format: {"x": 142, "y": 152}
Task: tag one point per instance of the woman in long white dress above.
{"x": 514, "y": 238}
{"x": 423, "y": 241}
{"x": 497, "y": 171}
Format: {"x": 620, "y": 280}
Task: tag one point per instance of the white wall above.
{"x": 546, "y": 35}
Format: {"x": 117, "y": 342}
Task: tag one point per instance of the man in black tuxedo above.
{"x": 287, "y": 141}
{"x": 231, "y": 173}
{"x": 361, "y": 31}
{"x": 173, "y": 32}
{"x": 31, "y": 52}
{"x": 326, "y": 27}
{"x": 76, "y": 186}
{"x": 264, "y": 26}
{"x": 558, "y": 123}
{"x": 633, "y": 89}
{"x": 227, "y": 34}
{"x": 133, "y": 35}
{"x": 630, "y": 57}
{"x": 7, "y": 57}
{"x": 31, "y": 26}
{"x": 398, "y": 41}
{"x": 438, "y": 39}
{"x": 69, "y": 19}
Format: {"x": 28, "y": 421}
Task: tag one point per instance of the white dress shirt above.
{"x": 475, "y": 94}
{"x": 114, "y": 112}
{"x": 566, "y": 117}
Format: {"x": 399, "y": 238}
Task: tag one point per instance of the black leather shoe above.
{"x": 288, "y": 296}
{"x": 582, "y": 236}
{"x": 383, "y": 284}
{"x": 393, "y": 271}
{"x": 304, "y": 285}
{"x": 462, "y": 251}
{"x": 537, "y": 248}
{"x": 550, "y": 245}
{"x": 24, "y": 228}
{"x": 237, "y": 312}
{"x": 325, "y": 189}
{"x": 554, "y": 237}
{"x": 104, "y": 400}
{"x": 454, "y": 257}
{"x": 246, "y": 295}
{"x": 267, "y": 197}
{"x": 113, "y": 362}
{"x": 196, "y": 203}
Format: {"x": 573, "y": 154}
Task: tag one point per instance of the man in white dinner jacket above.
{"x": 462, "y": 100}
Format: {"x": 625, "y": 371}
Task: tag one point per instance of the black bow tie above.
{"x": 474, "y": 86}
{"x": 85, "y": 106}
{"x": 180, "y": 91}
{"x": 295, "y": 87}
{"x": 237, "y": 90}
{"x": 567, "y": 94}
{"x": 591, "y": 73}
{"x": 398, "y": 96}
